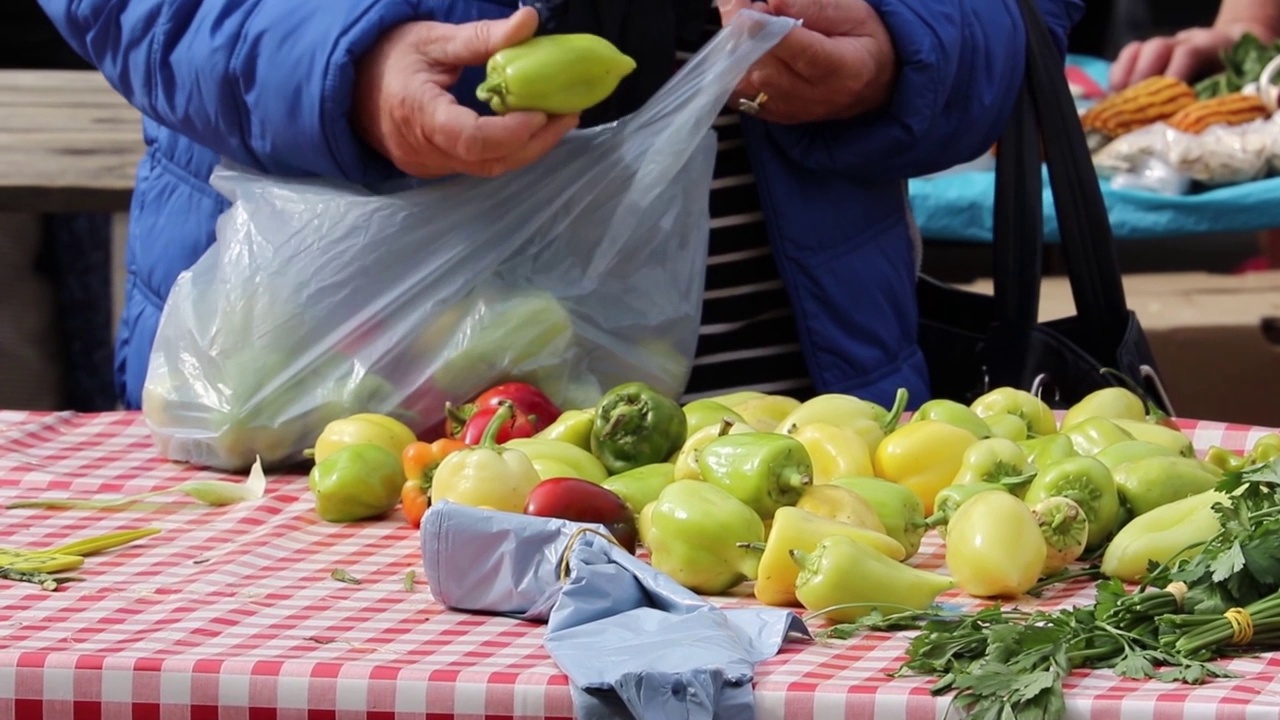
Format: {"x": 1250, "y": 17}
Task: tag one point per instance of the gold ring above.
{"x": 751, "y": 107}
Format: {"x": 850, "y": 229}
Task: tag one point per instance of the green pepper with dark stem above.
{"x": 951, "y": 498}
{"x": 899, "y": 509}
{"x": 640, "y": 486}
{"x": 1091, "y": 435}
{"x": 636, "y": 425}
{"x": 766, "y": 471}
{"x": 1048, "y": 449}
{"x": 995, "y": 460}
{"x": 1150, "y": 482}
{"x": 953, "y": 413}
{"x": 1089, "y": 483}
{"x": 556, "y": 74}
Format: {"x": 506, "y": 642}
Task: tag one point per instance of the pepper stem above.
{"x": 726, "y": 425}
{"x": 895, "y": 412}
{"x": 758, "y": 546}
{"x": 490, "y": 437}
{"x": 799, "y": 557}
{"x": 793, "y": 480}
{"x": 457, "y": 417}
{"x": 938, "y": 518}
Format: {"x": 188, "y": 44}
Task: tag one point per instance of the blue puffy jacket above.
{"x": 268, "y": 84}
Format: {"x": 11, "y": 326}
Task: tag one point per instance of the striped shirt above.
{"x": 748, "y": 339}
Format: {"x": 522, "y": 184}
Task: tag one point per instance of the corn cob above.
{"x": 1150, "y": 101}
{"x": 1231, "y": 109}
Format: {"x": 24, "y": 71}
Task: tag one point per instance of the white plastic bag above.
{"x": 577, "y": 273}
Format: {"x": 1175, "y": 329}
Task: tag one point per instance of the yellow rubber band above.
{"x": 573, "y": 539}
{"x": 1178, "y": 590}
{"x": 1241, "y": 625}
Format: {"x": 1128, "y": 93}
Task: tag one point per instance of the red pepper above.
{"x": 420, "y": 461}
{"x": 518, "y": 426}
{"x": 584, "y": 501}
{"x": 527, "y": 399}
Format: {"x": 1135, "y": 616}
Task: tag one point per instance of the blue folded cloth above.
{"x": 633, "y": 642}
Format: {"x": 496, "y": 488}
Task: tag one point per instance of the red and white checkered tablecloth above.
{"x": 230, "y": 613}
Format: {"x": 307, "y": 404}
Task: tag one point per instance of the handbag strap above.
{"x": 1093, "y": 270}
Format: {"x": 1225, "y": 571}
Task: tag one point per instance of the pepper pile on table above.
{"x": 801, "y": 497}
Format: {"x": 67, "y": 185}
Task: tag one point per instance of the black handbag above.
{"x": 974, "y": 342}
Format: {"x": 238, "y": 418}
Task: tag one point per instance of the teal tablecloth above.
{"x": 958, "y": 207}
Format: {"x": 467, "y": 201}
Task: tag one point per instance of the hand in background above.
{"x": 403, "y": 108}
{"x": 840, "y": 63}
{"x": 1189, "y": 55}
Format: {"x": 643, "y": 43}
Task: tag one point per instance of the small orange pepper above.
{"x": 420, "y": 460}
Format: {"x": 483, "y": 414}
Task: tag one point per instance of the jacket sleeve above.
{"x": 265, "y": 83}
{"x": 960, "y": 67}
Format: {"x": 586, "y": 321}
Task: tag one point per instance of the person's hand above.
{"x": 403, "y": 109}
{"x": 839, "y": 64}
{"x": 1188, "y": 56}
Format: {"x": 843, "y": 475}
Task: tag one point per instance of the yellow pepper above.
{"x": 1026, "y": 407}
{"x": 1167, "y": 533}
{"x": 845, "y": 580}
{"x": 486, "y": 475}
{"x": 796, "y": 529}
{"x": 837, "y": 502}
{"x": 363, "y": 428}
{"x": 834, "y": 451}
{"x": 584, "y": 465}
{"x": 871, "y": 422}
{"x": 767, "y": 412}
{"x": 924, "y": 456}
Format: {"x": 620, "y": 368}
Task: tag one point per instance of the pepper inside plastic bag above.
{"x": 633, "y": 642}
{"x": 580, "y": 272}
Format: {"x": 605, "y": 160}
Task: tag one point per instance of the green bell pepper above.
{"x": 640, "y": 486}
{"x": 995, "y": 460}
{"x": 847, "y": 579}
{"x": 1157, "y": 480}
{"x": 636, "y": 425}
{"x": 1167, "y": 533}
{"x": 1009, "y": 427}
{"x": 1091, "y": 435}
{"x": 1175, "y": 440}
{"x": 1089, "y": 483}
{"x": 1112, "y": 403}
{"x": 1045, "y": 450}
{"x": 1129, "y": 450}
{"x": 573, "y": 427}
{"x": 766, "y": 471}
{"x": 705, "y": 413}
{"x": 953, "y": 413}
{"x": 356, "y": 482}
{"x": 702, "y": 537}
{"x": 1225, "y": 460}
{"x": 560, "y": 74}
{"x": 1021, "y": 404}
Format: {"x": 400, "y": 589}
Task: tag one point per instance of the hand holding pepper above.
{"x": 839, "y": 64}
{"x": 403, "y": 109}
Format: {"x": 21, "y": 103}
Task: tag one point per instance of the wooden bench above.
{"x": 68, "y": 143}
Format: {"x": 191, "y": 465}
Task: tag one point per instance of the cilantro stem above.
{"x": 1064, "y": 577}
